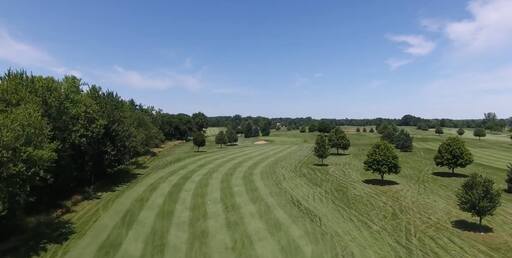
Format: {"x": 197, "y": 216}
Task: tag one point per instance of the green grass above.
{"x": 270, "y": 200}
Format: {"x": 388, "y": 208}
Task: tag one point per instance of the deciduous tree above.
{"x": 221, "y": 139}
{"x": 199, "y": 140}
{"x": 321, "y": 149}
{"x": 382, "y": 160}
{"x": 478, "y": 197}
{"x": 338, "y": 139}
{"x": 403, "y": 141}
{"x": 452, "y": 153}
{"x": 479, "y": 132}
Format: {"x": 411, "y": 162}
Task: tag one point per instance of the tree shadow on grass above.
{"x": 449, "y": 174}
{"x": 118, "y": 178}
{"x": 321, "y": 164}
{"x": 470, "y": 226}
{"x": 199, "y": 151}
{"x": 39, "y": 235}
{"x": 339, "y": 154}
{"x": 379, "y": 182}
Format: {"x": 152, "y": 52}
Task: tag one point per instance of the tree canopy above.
{"x": 382, "y": 160}
{"x": 479, "y": 132}
{"x": 221, "y": 139}
{"x": 452, "y": 153}
{"x": 338, "y": 139}
{"x": 403, "y": 141}
{"x": 439, "y": 130}
{"x": 460, "y": 131}
{"x": 199, "y": 140}
{"x": 321, "y": 149}
{"x": 478, "y": 196}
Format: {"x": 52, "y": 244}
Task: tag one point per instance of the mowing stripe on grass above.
{"x": 220, "y": 242}
{"x": 176, "y": 240}
{"x": 254, "y": 183}
{"x": 134, "y": 243}
{"x": 198, "y": 244}
{"x": 97, "y": 234}
{"x": 259, "y": 234}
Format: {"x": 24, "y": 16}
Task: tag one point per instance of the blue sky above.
{"x": 331, "y": 59}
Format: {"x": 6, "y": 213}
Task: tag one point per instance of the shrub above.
{"x": 479, "y": 132}
{"x": 403, "y": 141}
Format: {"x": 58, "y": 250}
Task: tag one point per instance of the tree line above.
{"x": 59, "y": 136}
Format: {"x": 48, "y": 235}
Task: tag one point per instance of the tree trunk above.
{"x": 453, "y": 170}
{"x": 382, "y": 179}
{"x": 337, "y": 151}
{"x": 480, "y": 221}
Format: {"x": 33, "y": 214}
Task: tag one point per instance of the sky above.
{"x": 325, "y": 59}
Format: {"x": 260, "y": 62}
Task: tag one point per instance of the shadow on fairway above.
{"x": 379, "y": 182}
{"x": 321, "y": 165}
{"x": 41, "y": 234}
{"x": 449, "y": 174}
{"x": 340, "y": 154}
{"x": 199, "y": 151}
{"x": 118, "y": 178}
{"x": 470, "y": 226}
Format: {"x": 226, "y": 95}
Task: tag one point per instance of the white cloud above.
{"x": 27, "y": 56}
{"x": 469, "y": 94}
{"x": 489, "y": 27}
{"x": 394, "y": 63}
{"x": 153, "y": 80}
{"x": 416, "y": 45}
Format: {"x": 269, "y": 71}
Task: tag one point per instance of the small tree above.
{"x": 199, "y": 140}
{"x": 439, "y": 130}
{"x": 321, "y": 148}
{"x": 382, "y": 160}
{"x": 221, "y": 139}
{"x": 479, "y": 132}
{"x": 372, "y": 130}
{"x": 358, "y": 130}
{"x": 231, "y": 135}
{"x": 452, "y": 153}
{"x": 478, "y": 197}
{"x": 338, "y": 139}
{"x": 508, "y": 180}
{"x": 460, "y": 131}
{"x": 403, "y": 141}
{"x": 313, "y": 127}
{"x": 364, "y": 130}
{"x": 302, "y": 129}
{"x": 388, "y": 134}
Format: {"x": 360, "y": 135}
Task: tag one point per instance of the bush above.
{"x": 364, "y": 130}
{"x": 460, "y": 131}
{"x": 439, "y": 130}
{"x": 372, "y": 130}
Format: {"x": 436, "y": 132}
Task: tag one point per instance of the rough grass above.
{"x": 271, "y": 201}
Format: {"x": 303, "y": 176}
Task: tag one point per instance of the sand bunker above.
{"x": 260, "y": 142}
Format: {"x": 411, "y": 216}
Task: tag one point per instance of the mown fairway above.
{"x": 270, "y": 200}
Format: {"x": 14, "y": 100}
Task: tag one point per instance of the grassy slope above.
{"x": 270, "y": 201}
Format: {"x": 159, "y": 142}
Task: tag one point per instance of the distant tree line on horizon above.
{"x": 489, "y": 122}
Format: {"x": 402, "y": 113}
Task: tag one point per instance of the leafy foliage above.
{"x": 303, "y": 129}
{"x": 479, "y": 132}
{"x": 382, "y": 160}
{"x": 422, "y": 126}
{"x": 460, "y": 132}
{"x": 338, "y": 139}
{"x": 403, "y": 141}
{"x": 265, "y": 127}
{"x": 324, "y": 126}
{"x": 321, "y": 149}
{"x": 199, "y": 140}
{"x": 439, "y": 130}
{"x": 478, "y": 196}
{"x": 358, "y": 130}
{"x": 200, "y": 121}
{"x": 221, "y": 139}
{"x": 452, "y": 153}
{"x": 231, "y": 136}
{"x": 372, "y": 130}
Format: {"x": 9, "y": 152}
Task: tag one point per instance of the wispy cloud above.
{"x": 395, "y": 63}
{"x": 159, "y": 80}
{"x": 433, "y": 24}
{"x": 416, "y": 45}
{"x": 489, "y": 27}
{"x": 23, "y": 54}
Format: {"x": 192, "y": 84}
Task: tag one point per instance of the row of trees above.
{"x": 490, "y": 122}
{"x": 59, "y": 136}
